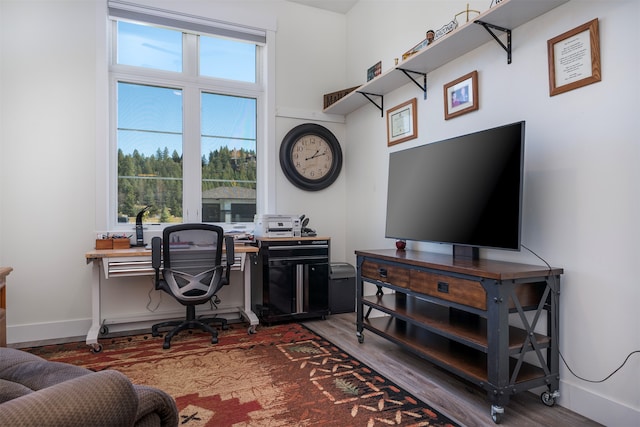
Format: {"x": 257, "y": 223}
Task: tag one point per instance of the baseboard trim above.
{"x": 38, "y": 334}
{"x": 35, "y": 334}
{"x": 596, "y": 407}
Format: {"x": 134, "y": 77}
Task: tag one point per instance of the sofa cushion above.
{"x": 104, "y": 398}
{"x": 34, "y": 391}
{"x": 34, "y": 372}
{"x": 10, "y": 390}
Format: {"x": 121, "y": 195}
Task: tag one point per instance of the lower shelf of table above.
{"x": 468, "y": 328}
{"x": 465, "y": 361}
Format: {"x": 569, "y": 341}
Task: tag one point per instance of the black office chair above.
{"x": 192, "y": 273}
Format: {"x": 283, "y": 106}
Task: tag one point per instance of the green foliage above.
{"x": 156, "y": 180}
{"x": 347, "y": 387}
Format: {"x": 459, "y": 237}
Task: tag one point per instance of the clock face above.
{"x": 311, "y": 157}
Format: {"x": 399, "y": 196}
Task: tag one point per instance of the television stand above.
{"x": 455, "y": 313}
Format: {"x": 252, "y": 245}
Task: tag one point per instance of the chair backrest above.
{"x": 192, "y": 260}
{"x": 192, "y": 248}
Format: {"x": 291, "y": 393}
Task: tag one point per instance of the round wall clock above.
{"x": 311, "y": 157}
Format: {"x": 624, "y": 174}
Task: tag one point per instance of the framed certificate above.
{"x": 402, "y": 123}
{"x": 574, "y": 58}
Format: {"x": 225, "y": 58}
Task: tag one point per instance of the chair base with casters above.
{"x": 189, "y": 323}
{"x": 192, "y": 273}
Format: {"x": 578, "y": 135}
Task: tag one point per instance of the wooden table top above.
{"x": 145, "y": 252}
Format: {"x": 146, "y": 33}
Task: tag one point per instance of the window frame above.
{"x": 192, "y": 86}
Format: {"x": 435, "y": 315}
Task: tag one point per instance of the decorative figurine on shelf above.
{"x": 401, "y": 244}
{"x": 431, "y": 36}
{"x": 424, "y": 43}
{"x": 467, "y": 11}
{"x": 446, "y": 29}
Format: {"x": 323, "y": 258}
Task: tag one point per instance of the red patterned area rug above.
{"x": 285, "y": 375}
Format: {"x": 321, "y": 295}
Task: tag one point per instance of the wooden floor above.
{"x": 447, "y": 393}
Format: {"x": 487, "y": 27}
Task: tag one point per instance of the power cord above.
{"x": 560, "y": 353}
{"x": 605, "y": 378}
{"x": 153, "y": 288}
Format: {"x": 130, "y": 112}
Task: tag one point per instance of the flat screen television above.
{"x": 464, "y": 191}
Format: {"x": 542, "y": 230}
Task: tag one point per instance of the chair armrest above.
{"x": 231, "y": 258}
{"x": 156, "y": 252}
{"x": 105, "y": 398}
{"x": 156, "y": 257}
{"x": 153, "y": 402}
{"x": 230, "y": 248}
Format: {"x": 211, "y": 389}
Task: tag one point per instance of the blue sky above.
{"x": 152, "y": 116}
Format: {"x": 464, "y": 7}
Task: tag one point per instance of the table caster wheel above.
{"x": 496, "y": 413}
{"x": 96, "y": 348}
{"x": 104, "y": 330}
{"x": 360, "y": 336}
{"x": 548, "y": 398}
{"x": 251, "y": 330}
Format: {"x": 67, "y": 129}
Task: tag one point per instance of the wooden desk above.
{"x": 137, "y": 262}
{"x": 4, "y": 272}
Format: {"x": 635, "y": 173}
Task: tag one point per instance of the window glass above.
{"x": 149, "y": 138}
{"x": 227, "y": 59}
{"x": 167, "y": 124}
{"x": 228, "y": 142}
{"x": 150, "y": 47}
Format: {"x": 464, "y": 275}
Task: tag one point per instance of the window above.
{"x": 185, "y": 115}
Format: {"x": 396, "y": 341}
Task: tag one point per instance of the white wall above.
{"x": 53, "y": 141}
{"x": 47, "y": 177}
{"x": 582, "y": 183}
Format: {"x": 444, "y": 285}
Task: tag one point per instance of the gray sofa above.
{"x": 37, "y": 392}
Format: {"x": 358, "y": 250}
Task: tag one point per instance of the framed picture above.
{"x": 461, "y": 95}
{"x": 574, "y": 58}
{"x": 402, "y": 122}
{"x": 374, "y": 71}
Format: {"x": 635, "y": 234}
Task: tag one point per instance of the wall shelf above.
{"x": 508, "y": 14}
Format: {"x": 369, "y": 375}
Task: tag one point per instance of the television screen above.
{"x": 464, "y": 191}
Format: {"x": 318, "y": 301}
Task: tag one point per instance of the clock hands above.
{"x": 316, "y": 154}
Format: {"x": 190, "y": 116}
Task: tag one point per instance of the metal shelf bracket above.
{"x": 422, "y": 86}
{"x": 489, "y": 27}
{"x": 380, "y": 106}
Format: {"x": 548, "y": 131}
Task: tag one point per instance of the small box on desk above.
{"x": 104, "y": 243}
{"x": 123, "y": 243}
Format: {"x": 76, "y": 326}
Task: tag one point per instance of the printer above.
{"x": 272, "y": 225}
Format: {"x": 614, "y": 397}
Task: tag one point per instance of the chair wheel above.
{"x": 166, "y": 345}
{"x": 214, "y": 340}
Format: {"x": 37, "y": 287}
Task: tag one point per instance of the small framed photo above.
{"x": 374, "y": 71}
{"x": 402, "y": 122}
{"x": 574, "y": 58}
{"x": 461, "y": 95}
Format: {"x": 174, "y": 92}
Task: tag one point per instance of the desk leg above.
{"x": 246, "y": 311}
{"x": 92, "y": 335}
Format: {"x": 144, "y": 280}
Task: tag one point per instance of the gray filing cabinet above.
{"x": 342, "y": 288}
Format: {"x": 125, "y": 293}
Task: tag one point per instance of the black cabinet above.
{"x": 290, "y": 279}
